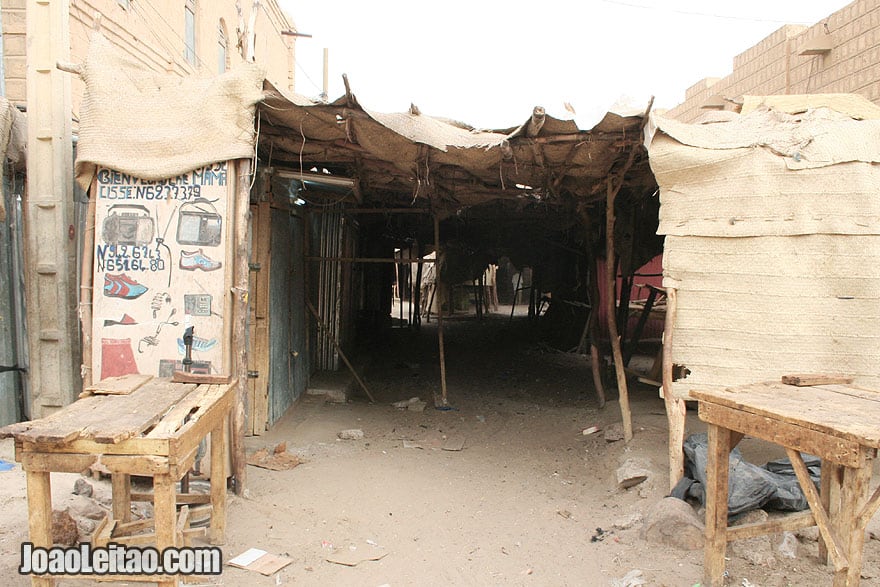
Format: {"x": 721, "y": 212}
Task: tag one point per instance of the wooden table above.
{"x": 143, "y": 426}
{"x": 838, "y": 423}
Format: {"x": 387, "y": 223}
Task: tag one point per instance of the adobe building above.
{"x": 839, "y": 54}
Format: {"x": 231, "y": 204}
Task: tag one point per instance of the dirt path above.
{"x": 521, "y": 503}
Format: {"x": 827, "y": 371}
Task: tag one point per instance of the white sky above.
{"x": 489, "y": 62}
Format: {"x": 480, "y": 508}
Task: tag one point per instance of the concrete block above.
{"x": 335, "y": 385}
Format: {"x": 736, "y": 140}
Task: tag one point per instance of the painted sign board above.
{"x": 161, "y": 264}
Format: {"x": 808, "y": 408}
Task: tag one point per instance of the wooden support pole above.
{"x": 121, "y": 492}
{"x": 417, "y": 292}
{"x": 675, "y": 406}
{"x": 591, "y": 328}
{"x": 239, "y": 328}
{"x": 610, "y": 303}
{"x": 86, "y": 286}
{"x": 165, "y": 509}
{"x": 39, "y": 500}
{"x": 218, "y": 483}
{"x": 717, "y": 474}
{"x": 443, "y": 398}
{"x": 396, "y": 261}
{"x": 342, "y": 356}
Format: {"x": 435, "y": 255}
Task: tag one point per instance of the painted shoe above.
{"x": 122, "y": 286}
{"x": 126, "y": 320}
{"x": 199, "y": 344}
{"x": 192, "y": 260}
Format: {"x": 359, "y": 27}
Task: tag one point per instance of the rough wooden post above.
{"x": 716, "y": 505}
{"x": 591, "y": 328}
{"x": 87, "y": 279}
{"x": 443, "y": 399}
{"x": 240, "y": 315}
{"x": 39, "y": 500}
{"x": 675, "y": 406}
{"x": 610, "y": 304}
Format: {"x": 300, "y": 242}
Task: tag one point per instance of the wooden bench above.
{"x": 836, "y": 422}
{"x": 140, "y": 426}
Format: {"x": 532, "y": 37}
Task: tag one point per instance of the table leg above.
{"x": 854, "y": 493}
{"x": 39, "y": 498}
{"x": 121, "y": 493}
{"x": 218, "y": 483}
{"x": 830, "y": 494}
{"x": 717, "y": 473}
{"x": 164, "y": 516}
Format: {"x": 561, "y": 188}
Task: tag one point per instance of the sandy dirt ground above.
{"x": 527, "y": 500}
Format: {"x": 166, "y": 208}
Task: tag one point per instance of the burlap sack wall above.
{"x": 775, "y": 264}
{"x": 13, "y": 140}
{"x": 156, "y": 126}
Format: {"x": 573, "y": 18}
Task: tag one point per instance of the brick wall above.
{"x": 14, "y": 63}
{"x": 775, "y": 65}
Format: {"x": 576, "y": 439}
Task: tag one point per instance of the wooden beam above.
{"x": 676, "y": 409}
{"x": 787, "y": 523}
{"x": 39, "y": 499}
{"x": 835, "y": 548}
{"x": 348, "y": 364}
{"x": 443, "y": 401}
{"x": 86, "y": 284}
{"x": 371, "y": 260}
{"x": 376, "y": 211}
{"x": 239, "y": 327}
{"x": 611, "y": 282}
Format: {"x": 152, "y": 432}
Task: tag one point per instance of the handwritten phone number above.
{"x": 115, "y": 258}
{"x": 149, "y": 192}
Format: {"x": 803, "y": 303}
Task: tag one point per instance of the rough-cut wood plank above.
{"x": 817, "y": 408}
{"x": 829, "y": 492}
{"x": 122, "y": 385}
{"x": 835, "y": 549}
{"x": 828, "y": 447}
{"x": 787, "y": 523}
{"x": 99, "y": 531}
{"x": 139, "y": 445}
{"x": 870, "y": 508}
{"x": 106, "y": 418}
{"x": 132, "y": 420}
{"x": 182, "y": 498}
{"x": 121, "y": 492}
{"x": 261, "y": 328}
{"x": 128, "y": 528}
{"x": 810, "y": 380}
{"x": 58, "y": 463}
{"x": 717, "y": 475}
{"x": 203, "y": 421}
{"x": 171, "y": 422}
{"x": 854, "y": 493}
{"x": 218, "y": 483}
{"x": 675, "y": 406}
{"x": 199, "y": 378}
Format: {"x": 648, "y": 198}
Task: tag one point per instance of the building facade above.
{"x": 187, "y": 37}
{"x": 48, "y": 218}
{"x": 839, "y": 54}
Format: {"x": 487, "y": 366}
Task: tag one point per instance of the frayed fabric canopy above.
{"x": 155, "y": 126}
